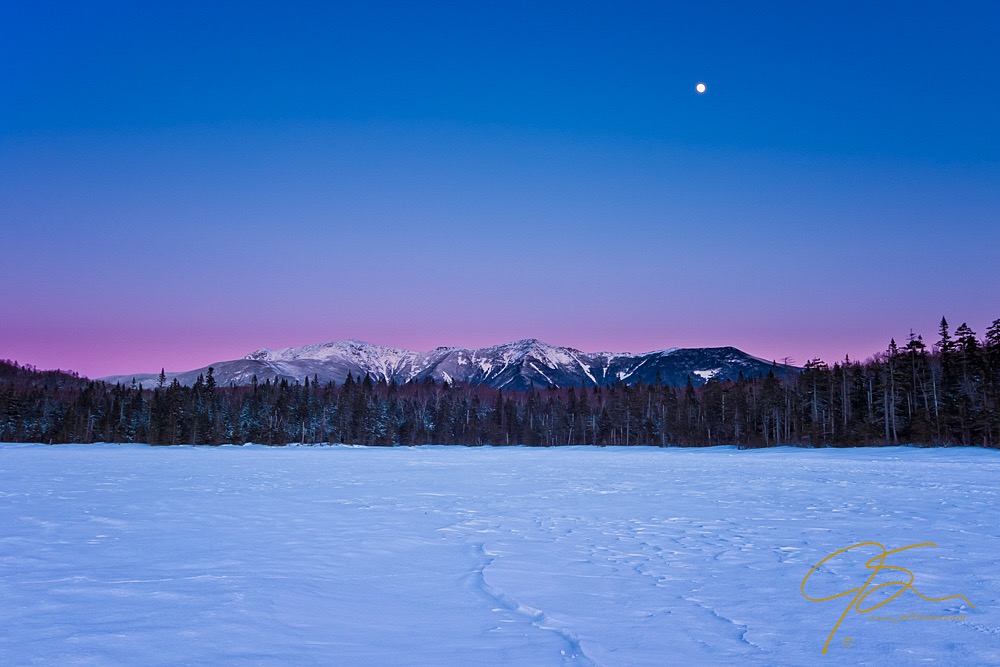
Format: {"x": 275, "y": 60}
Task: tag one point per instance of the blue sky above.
{"x": 183, "y": 184}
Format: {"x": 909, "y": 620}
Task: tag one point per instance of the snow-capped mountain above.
{"x": 518, "y": 365}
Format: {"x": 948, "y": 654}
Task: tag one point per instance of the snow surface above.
{"x": 128, "y": 554}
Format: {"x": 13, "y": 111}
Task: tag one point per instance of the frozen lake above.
{"x": 115, "y": 554}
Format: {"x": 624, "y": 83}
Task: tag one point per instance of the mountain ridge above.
{"x": 517, "y": 365}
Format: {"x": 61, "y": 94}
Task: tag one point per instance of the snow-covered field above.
{"x": 115, "y": 555}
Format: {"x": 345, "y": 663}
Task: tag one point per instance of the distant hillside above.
{"x": 29, "y": 377}
{"x": 518, "y": 366}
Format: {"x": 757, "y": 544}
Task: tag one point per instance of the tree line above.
{"x": 945, "y": 394}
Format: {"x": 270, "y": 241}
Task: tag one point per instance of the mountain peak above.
{"x": 529, "y": 344}
{"x": 515, "y": 365}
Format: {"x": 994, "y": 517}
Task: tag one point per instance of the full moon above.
{"x": 700, "y": 88}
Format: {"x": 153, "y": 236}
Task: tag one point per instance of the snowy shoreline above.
{"x": 689, "y": 448}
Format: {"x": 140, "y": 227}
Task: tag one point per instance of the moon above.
{"x": 700, "y": 88}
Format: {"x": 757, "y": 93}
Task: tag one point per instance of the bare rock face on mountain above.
{"x": 515, "y": 366}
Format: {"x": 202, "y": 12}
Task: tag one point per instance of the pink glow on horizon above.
{"x": 99, "y": 353}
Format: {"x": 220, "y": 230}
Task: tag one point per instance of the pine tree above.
{"x": 971, "y": 399}
{"x": 991, "y": 356}
{"x": 918, "y": 402}
{"x": 946, "y": 404}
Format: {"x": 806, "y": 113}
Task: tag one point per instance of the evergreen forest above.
{"x": 944, "y": 394}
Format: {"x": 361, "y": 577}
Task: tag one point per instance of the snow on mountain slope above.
{"x": 354, "y": 356}
{"x": 517, "y": 365}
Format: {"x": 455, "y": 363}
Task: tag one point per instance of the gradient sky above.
{"x": 182, "y": 183}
